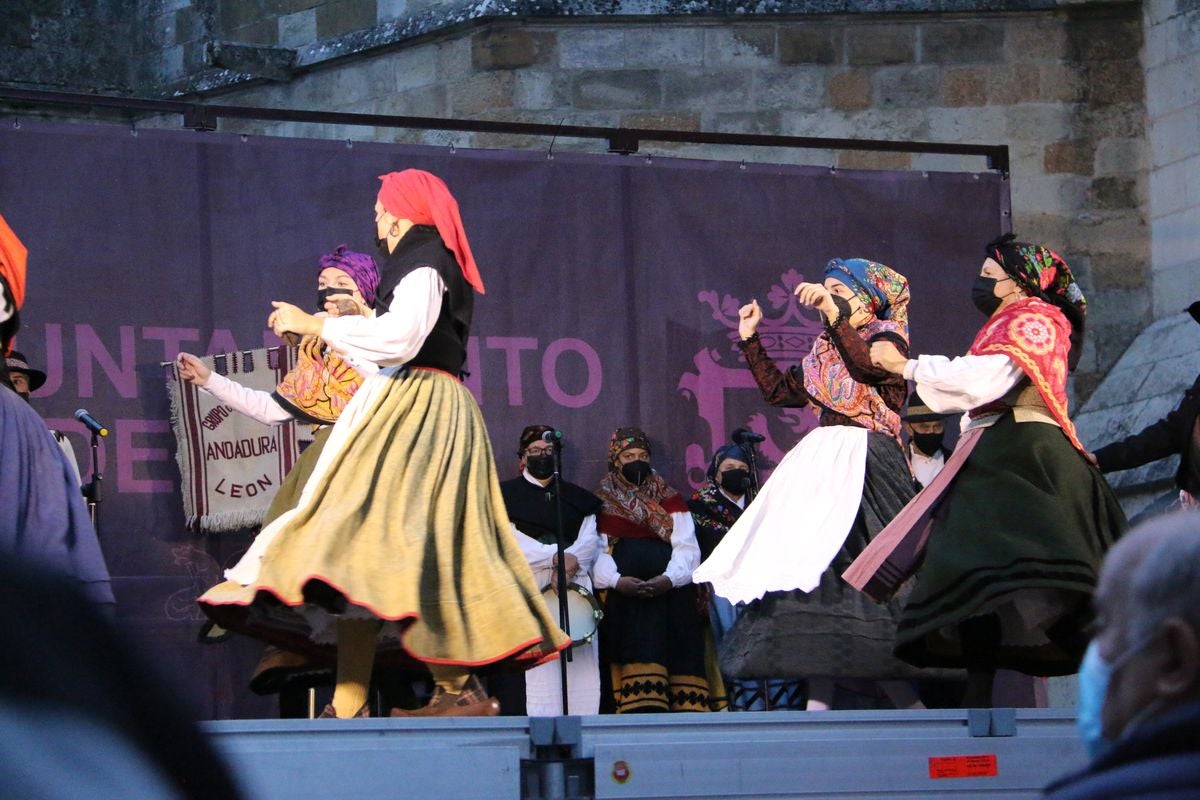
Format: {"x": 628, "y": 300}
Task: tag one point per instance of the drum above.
{"x": 583, "y": 611}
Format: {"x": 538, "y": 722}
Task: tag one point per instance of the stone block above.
{"x": 190, "y": 26}
{"x": 1173, "y": 86}
{"x": 298, "y": 29}
{"x": 1120, "y": 156}
{"x": 907, "y": 87}
{"x": 849, "y": 90}
{"x": 1101, "y": 37}
{"x": 1059, "y": 83}
{"x": 806, "y": 123}
{"x": 1121, "y": 234}
{"x": 234, "y": 14}
{"x": 890, "y": 123}
{"x": 538, "y": 89}
{"x": 1014, "y": 83}
{"x": 795, "y": 88}
{"x": 414, "y": 66}
{"x": 1110, "y": 82}
{"x": 618, "y": 89}
{"x": 979, "y": 125}
{"x": 1048, "y": 194}
{"x": 1175, "y": 136}
{"x": 727, "y": 90}
{"x": 867, "y": 159}
{"x": 1112, "y": 193}
{"x": 454, "y": 59}
{"x": 664, "y": 46}
{"x": 1169, "y": 188}
{"x": 964, "y": 86}
{"x": 1038, "y": 123}
{"x": 591, "y": 48}
{"x": 741, "y": 45}
{"x": 767, "y": 123}
{"x": 662, "y": 121}
{"x": 1040, "y": 37}
{"x": 1118, "y": 272}
{"x": 1123, "y": 121}
{"x": 954, "y": 42}
{"x": 16, "y": 28}
{"x": 871, "y": 45}
{"x": 337, "y": 17}
{"x": 803, "y": 43}
{"x": 1175, "y": 240}
{"x": 480, "y": 93}
{"x": 511, "y": 48}
{"x": 1176, "y": 287}
{"x": 170, "y": 63}
{"x": 264, "y": 32}
{"x": 1074, "y": 156}
{"x": 388, "y": 10}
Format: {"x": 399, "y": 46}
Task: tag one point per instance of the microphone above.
{"x": 745, "y": 435}
{"x": 90, "y": 422}
{"x": 552, "y": 437}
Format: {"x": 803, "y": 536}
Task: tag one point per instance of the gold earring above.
{"x": 394, "y": 230}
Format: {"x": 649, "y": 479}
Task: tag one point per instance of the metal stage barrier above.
{"x": 978, "y": 754}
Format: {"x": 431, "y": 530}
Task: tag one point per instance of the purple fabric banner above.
{"x": 613, "y": 288}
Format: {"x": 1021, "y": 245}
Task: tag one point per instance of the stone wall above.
{"x": 1172, "y": 61}
{"x": 1062, "y": 86}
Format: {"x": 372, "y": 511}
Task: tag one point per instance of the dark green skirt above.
{"x": 1019, "y": 534}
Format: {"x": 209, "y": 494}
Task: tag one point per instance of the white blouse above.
{"x": 685, "y": 555}
{"x": 395, "y": 336}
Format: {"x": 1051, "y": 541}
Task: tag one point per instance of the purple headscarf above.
{"x": 359, "y": 266}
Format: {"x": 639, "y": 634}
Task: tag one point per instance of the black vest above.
{"x": 446, "y": 346}
{"x": 532, "y": 508}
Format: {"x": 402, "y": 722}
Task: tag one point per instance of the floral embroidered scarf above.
{"x": 1037, "y": 337}
{"x": 321, "y": 384}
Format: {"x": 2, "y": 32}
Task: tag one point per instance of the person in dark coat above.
{"x": 1174, "y": 434}
{"x": 1139, "y": 685}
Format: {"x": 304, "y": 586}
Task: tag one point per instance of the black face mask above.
{"x": 636, "y": 472}
{"x": 983, "y": 295}
{"x": 540, "y": 467}
{"x": 735, "y": 481}
{"x": 928, "y": 443}
{"x": 332, "y": 291}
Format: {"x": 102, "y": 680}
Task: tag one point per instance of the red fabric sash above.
{"x": 1037, "y": 337}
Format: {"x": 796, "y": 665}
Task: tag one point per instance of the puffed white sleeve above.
{"x": 605, "y": 573}
{"x": 685, "y": 550}
{"x": 586, "y": 547}
{"x": 950, "y": 386}
{"x": 253, "y": 403}
{"x": 538, "y": 555}
{"x": 395, "y": 336}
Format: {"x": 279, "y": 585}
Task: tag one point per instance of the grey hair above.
{"x": 1167, "y": 581}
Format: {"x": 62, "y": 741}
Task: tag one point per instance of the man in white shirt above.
{"x": 531, "y": 500}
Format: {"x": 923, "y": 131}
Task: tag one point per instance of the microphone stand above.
{"x": 92, "y": 490}
{"x": 561, "y": 572}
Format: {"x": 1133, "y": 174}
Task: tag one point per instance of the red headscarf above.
{"x": 423, "y": 199}
{"x": 12, "y": 261}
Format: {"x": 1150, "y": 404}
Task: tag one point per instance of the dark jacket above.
{"x": 1167, "y": 437}
{"x": 1158, "y": 761}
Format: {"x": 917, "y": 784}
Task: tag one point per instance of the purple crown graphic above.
{"x": 787, "y": 336}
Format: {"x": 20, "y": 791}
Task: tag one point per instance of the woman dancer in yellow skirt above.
{"x": 400, "y": 542}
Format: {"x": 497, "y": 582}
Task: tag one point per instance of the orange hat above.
{"x": 424, "y": 199}
{"x": 12, "y": 261}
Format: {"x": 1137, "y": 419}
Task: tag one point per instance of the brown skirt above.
{"x": 402, "y": 520}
